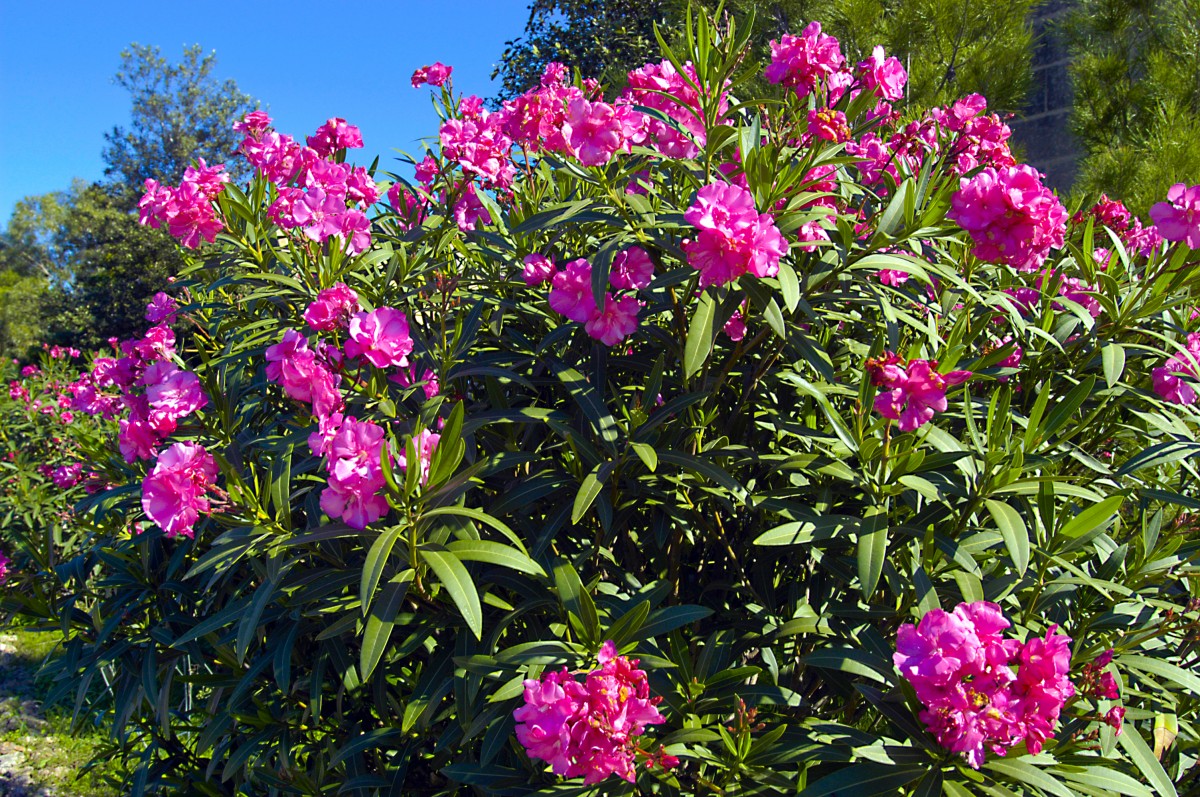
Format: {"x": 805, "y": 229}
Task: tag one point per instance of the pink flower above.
{"x": 961, "y": 668}
{"x": 480, "y": 147}
{"x": 828, "y": 125}
{"x": 735, "y": 327}
{"x": 571, "y": 292}
{"x": 303, "y": 376}
{"x": 161, "y": 309}
{"x": 67, "y": 476}
{"x": 172, "y": 394}
{"x": 733, "y": 238}
{"x": 1178, "y": 219}
{"x": 1115, "y": 718}
{"x": 355, "y": 454}
{"x": 332, "y": 308}
{"x": 425, "y": 442}
{"x": 174, "y": 493}
{"x": 1171, "y": 387}
{"x": 209, "y": 180}
{"x": 616, "y": 321}
{"x": 335, "y": 134}
{"x": 891, "y": 277}
{"x": 538, "y": 269}
{"x": 801, "y": 62}
{"x": 381, "y": 337}
{"x": 469, "y": 210}
{"x": 590, "y": 728}
{"x": 253, "y": 124}
{"x": 596, "y": 130}
{"x": 1011, "y": 217}
{"x": 662, "y": 87}
{"x": 632, "y": 269}
{"x": 912, "y": 393}
{"x": 883, "y": 76}
{"x": 435, "y": 75}
{"x": 5, "y": 564}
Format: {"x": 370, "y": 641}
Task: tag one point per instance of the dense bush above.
{"x": 746, "y": 387}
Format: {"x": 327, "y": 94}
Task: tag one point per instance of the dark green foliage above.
{"x": 1136, "y": 72}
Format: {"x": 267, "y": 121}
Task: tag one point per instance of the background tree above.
{"x": 180, "y": 112}
{"x": 76, "y": 265}
{"x": 1136, "y": 73}
{"x": 951, "y": 48}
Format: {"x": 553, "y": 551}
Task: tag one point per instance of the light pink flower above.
{"x": 435, "y": 75}
{"x": 538, "y": 269}
{"x": 355, "y": 454}
{"x": 1166, "y": 380}
{"x": 571, "y": 292}
{"x": 380, "y": 337}
{"x": 335, "y": 134}
{"x": 733, "y": 238}
{"x": 882, "y": 75}
{"x": 332, "y": 308}
{"x": 174, "y": 493}
{"x": 614, "y": 323}
{"x": 1178, "y": 218}
{"x": 1011, "y": 217}
{"x": 632, "y": 269}
{"x": 911, "y": 393}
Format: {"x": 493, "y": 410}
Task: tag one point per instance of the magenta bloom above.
{"x": 303, "y": 375}
{"x": 596, "y": 130}
{"x": 1011, "y": 217}
{"x": 589, "y": 729}
{"x": 828, "y": 125}
{"x": 335, "y": 134}
{"x": 67, "y": 476}
{"x": 538, "y": 268}
{"x": 332, "y": 308}
{"x": 425, "y": 441}
{"x": 733, "y": 238}
{"x": 883, "y": 76}
{"x": 961, "y": 667}
{"x": 5, "y": 564}
{"x": 174, "y": 494}
{"x": 801, "y": 62}
{"x": 161, "y": 309}
{"x": 172, "y": 394}
{"x": 435, "y": 75}
{"x": 480, "y": 147}
{"x": 355, "y": 454}
{"x": 632, "y": 269}
{"x": 735, "y": 327}
{"x": 1166, "y": 380}
{"x": 616, "y": 321}
{"x": 380, "y": 337}
{"x": 1178, "y": 219}
{"x": 662, "y": 87}
{"x": 911, "y": 393}
{"x": 571, "y": 292}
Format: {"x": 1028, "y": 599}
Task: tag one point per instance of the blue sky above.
{"x": 305, "y": 61}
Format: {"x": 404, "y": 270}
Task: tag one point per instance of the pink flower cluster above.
{"x": 317, "y": 195}
{"x": 354, "y": 449}
{"x": 662, "y": 87}
{"x": 733, "y": 238}
{"x": 596, "y": 131}
{"x": 146, "y": 384}
{"x": 5, "y": 564}
{"x": 175, "y": 492}
{"x": 911, "y": 392}
{"x": 1167, "y": 380}
{"x": 1178, "y": 218}
{"x": 187, "y": 210}
{"x": 435, "y": 75}
{"x": 1011, "y": 217}
{"x": 571, "y": 292}
{"x": 1113, "y": 214}
{"x": 590, "y": 729}
{"x": 803, "y": 62}
{"x": 962, "y": 670}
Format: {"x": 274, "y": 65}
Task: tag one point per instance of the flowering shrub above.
{"x": 644, "y": 445}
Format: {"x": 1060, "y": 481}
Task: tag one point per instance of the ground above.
{"x": 39, "y": 756}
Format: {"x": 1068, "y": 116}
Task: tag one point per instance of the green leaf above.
{"x": 1013, "y": 530}
{"x": 789, "y": 286}
{"x": 850, "y": 660}
{"x": 458, "y": 583}
{"x": 1021, "y": 772}
{"x": 700, "y": 335}
{"x": 373, "y": 567}
{"x": 1113, "y": 356}
{"x": 647, "y": 455}
{"x": 1159, "y": 454}
{"x": 1185, "y": 678}
{"x": 667, "y": 619}
{"x": 865, "y": 780}
{"x": 589, "y": 489}
{"x": 872, "y": 549}
{"x": 628, "y": 624}
{"x": 577, "y": 601}
{"x": 1092, "y": 518}
{"x": 495, "y": 553}
{"x": 381, "y": 620}
{"x": 1140, "y": 754}
{"x": 804, "y": 531}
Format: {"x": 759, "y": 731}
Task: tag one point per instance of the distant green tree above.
{"x": 1136, "y": 73}
{"x": 952, "y": 48}
{"x": 601, "y": 38}
{"x": 180, "y": 112}
{"x": 77, "y": 260}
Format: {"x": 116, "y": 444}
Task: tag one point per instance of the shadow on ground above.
{"x": 23, "y": 727}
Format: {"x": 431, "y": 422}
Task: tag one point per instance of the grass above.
{"x": 39, "y": 753}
